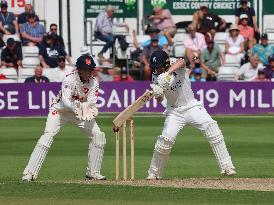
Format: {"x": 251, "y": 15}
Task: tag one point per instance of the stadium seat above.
{"x": 271, "y": 37}
{"x": 8, "y": 81}
{"x": 232, "y": 60}
{"x": 26, "y": 72}
{"x": 14, "y": 36}
{"x": 118, "y": 30}
{"x": 10, "y": 73}
{"x": 97, "y": 46}
{"x": 179, "y": 50}
{"x": 30, "y": 51}
{"x": 268, "y": 23}
{"x": 30, "y": 62}
{"x": 220, "y": 37}
{"x": 179, "y": 37}
{"x": 226, "y": 73}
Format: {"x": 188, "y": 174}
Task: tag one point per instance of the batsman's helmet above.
{"x": 159, "y": 59}
{"x": 85, "y": 62}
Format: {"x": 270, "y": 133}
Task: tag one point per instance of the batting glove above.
{"x": 164, "y": 80}
{"x": 157, "y": 90}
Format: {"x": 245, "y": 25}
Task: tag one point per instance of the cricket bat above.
{"x": 130, "y": 110}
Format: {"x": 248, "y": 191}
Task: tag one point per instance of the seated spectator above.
{"x": 11, "y": 56}
{"x": 194, "y": 44}
{"x": 32, "y": 32}
{"x": 269, "y": 69}
{"x": 124, "y": 76}
{"x": 53, "y": 31}
{"x": 8, "y": 23}
{"x": 60, "y": 72}
{"x": 103, "y": 29}
{"x": 264, "y": 49}
{"x": 197, "y": 75}
{"x": 104, "y": 73}
{"x": 250, "y": 12}
{"x": 249, "y": 71}
{"x": 246, "y": 31}
{"x": 147, "y": 52}
{"x": 234, "y": 43}
{"x": 162, "y": 20}
{"x": 50, "y": 52}
{"x": 23, "y": 17}
{"x": 261, "y": 77}
{"x": 209, "y": 21}
{"x": 211, "y": 59}
{"x": 38, "y": 77}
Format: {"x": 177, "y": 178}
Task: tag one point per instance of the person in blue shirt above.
{"x": 264, "y": 50}
{"x": 197, "y": 75}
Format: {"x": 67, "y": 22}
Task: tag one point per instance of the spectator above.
{"x": 209, "y": 21}
{"x": 246, "y": 31}
{"x": 269, "y": 69}
{"x": 23, "y": 17}
{"x": 11, "y": 56}
{"x": 264, "y": 49}
{"x": 148, "y": 50}
{"x": 194, "y": 44}
{"x": 8, "y": 23}
{"x": 234, "y": 43}
{"x": 261, "y": 77}
{"x": 162, "y": 20}
{"x": 53, "y": 31}
{"x": 124, "y": 76}
{"x": 105, "y": 72}
{"x": 211, "y": 59}
{"x": 210, "y": 35}
{"x": 197, "y": 75}
{"x": 103, "y": 29}
{"x": 250, "y": 12}
{"x": 60, "y": 72}
{"x": 50, "y": 52}
{"x": 249, "y": 71}
{"x": 38, "y": 77}
{"x": 162, "y": 39}
{"x": 32, "y": 32}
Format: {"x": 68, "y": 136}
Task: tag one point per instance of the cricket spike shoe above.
{"x": 27, "y": 178}
{"x": 152, "y": 177}
{"x": 95, "y": 176}
{"x": 230, "y": 172}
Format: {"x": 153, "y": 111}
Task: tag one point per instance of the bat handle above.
{"x": 115, "y": 129}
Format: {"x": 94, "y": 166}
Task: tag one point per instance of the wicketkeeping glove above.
{"x": 78, "y": 110}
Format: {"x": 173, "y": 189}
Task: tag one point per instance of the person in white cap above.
{"x": 247, "y": 32}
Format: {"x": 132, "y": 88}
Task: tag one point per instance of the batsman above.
{"x": 172, "y": 81}
{"x": 75, "y": 103}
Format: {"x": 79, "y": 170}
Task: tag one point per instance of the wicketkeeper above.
{"x": 172, "y": 81}
{"x": 76, "y": 103}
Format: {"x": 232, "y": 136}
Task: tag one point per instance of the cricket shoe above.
{"x": 230, "y": 172}
{"x": 152, "y": 177}
{"x": 95, "y": 176}
{"x": 27, "y": 178}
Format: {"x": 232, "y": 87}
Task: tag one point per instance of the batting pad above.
{"x": 217, "y": 143}
{"x": 160, "y": 155}
{"x": 38, "y": 155}
{"x": 96, "y": 153}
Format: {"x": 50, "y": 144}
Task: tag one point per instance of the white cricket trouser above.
{"x": 176, "y": 119}
{"x": 54, "y": 122}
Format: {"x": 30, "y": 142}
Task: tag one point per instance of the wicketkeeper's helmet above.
{"x": 85, "y": 62}
{"x": 159, "y": 59}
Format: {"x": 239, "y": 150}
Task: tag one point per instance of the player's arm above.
{"x": 67, "y": 90}
{"x": 179, "y": 64}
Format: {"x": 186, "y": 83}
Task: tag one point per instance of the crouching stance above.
{"x": 76, "y": 103}
{"x": 172, "y": 81}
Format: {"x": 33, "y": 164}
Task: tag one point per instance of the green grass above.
{"x": 250, "y": 142}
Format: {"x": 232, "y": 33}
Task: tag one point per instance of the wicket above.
{"x": 131, "y": 123}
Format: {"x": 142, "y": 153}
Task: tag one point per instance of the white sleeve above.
{"x": 93, "y": 95}
{"x": 67, "y": 91}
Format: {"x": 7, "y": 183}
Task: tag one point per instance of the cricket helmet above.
{"x": 85, "y": 62}
{"x": 159, "y": 59}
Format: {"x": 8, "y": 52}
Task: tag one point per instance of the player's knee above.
{"x": 213, "y": 133}
{"x": 46, "y": 140}
{"x": 163, "y": 145}
{"x": 99, "y": 139}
